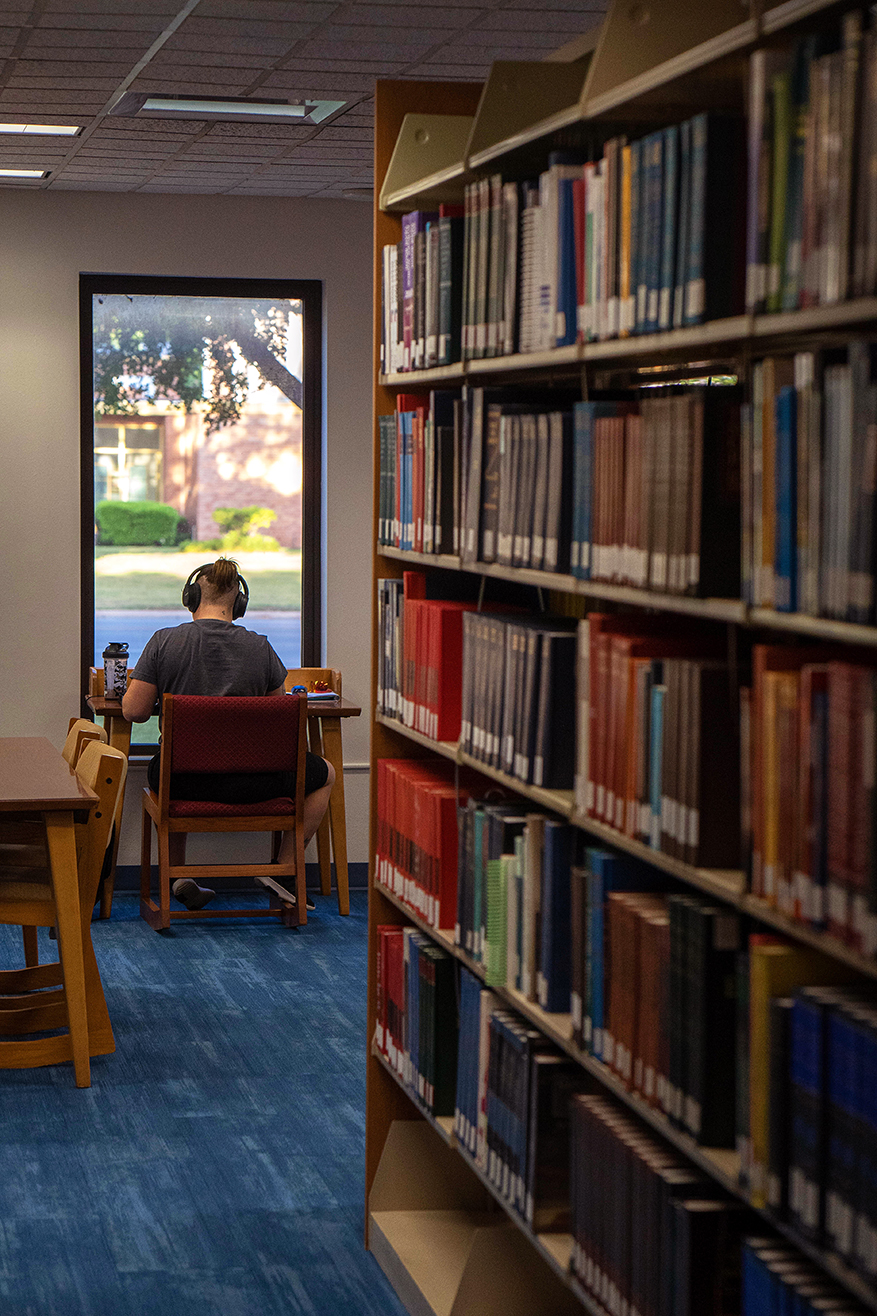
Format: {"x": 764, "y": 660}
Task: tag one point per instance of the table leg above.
{"x": 315, "y": 745}
{"x": 61, "y": 842}
{"x": 331, "y": 729}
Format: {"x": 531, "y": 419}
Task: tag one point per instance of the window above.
{"x": 201, "y": 434}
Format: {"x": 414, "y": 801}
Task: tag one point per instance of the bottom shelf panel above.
{"x": 444, "y": 1245}
{"x": 424, "y": 1254}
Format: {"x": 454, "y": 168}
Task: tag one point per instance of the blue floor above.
{"x": 215, "y": 1166}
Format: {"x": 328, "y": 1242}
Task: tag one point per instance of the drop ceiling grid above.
{"x": 67, "y": 62}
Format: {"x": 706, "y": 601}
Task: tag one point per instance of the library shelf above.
{"x": 435, "y": 375}
{"x": 777, "y": 18}
{"x": 816, "y": 319}
{"x": 555, "y": 1249}
{"x": 431, "y": 1213}
{"x": 449, "y": 561}
{"x": 821, "y": 628}
{"x": 726, "y": 610}
{"x": 727, "y": 885}
{"x": 446, "y": 748}
{"x": 734, "y": 333}
{"x": 443, "y": 1124}
{"x": 719, "y": 1163}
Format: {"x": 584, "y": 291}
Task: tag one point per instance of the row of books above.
{"x": 416, "y": 1015}
{"x": 512, "y": 1107}
{"x": 809, "y": 536}
{"x": 513, "y": 898}
{"x": 518, "y": 678}
{"x": 809, "y": 793}
{"x": 777, "y": 1279}
{"x": 652, "y": 1235}
{"x": 658, "y": 721}
{"x": 417, "y": 839}
{"x": 607, "y": 490}
{"x": 812, "y": 207}
{"x": 595, "y": 248}
{"x": 419, "y": 504}
{"x": 420, "y": 654}
{"x": 421, "y": 287}
{"x": 824, "y": 1173}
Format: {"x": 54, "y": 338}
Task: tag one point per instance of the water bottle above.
{"x": 115, "y": 670}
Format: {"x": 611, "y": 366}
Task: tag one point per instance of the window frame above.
{"x": 310, "y": 293}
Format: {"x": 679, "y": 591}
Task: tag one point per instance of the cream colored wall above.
{"x": 48, "y": 238}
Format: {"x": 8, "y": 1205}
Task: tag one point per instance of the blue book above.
{"x": 806, "y": 1136}
{"x": 650, "y": 263}
{"x": 683, "y": 224}
{"x": 636, "y": 230}
{"x": 466, "y": 1107}
{"x": 786, "y": 489}
{"x": 656, "y": 750}
{"x": 695, "y": 289}
{"x": 843, "y": 1145}
{"x": 668, "y": 227}
{"x": 553, "y": 980}
{"x": 567, "y": 288}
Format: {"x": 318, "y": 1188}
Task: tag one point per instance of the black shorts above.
{"x": 240, "y": 787}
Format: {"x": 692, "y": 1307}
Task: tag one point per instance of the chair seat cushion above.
{"x": 214, "y": 809}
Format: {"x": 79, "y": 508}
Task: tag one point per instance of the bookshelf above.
{"x": 438, "y": 1221}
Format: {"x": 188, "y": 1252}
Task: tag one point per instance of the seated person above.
{"x": 213, "y": 656}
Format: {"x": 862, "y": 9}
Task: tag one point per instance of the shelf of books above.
{"x": 623, "y": 913}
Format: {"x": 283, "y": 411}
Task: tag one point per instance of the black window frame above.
{"x": 310, "y": 293}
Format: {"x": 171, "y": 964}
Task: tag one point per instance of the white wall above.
{"x": 48, "y": 238}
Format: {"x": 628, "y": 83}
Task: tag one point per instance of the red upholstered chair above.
{"x": 227, "y": 734}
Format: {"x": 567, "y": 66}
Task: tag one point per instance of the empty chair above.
{"x": 222, "y": 735}
{"x": 33, "y": 999}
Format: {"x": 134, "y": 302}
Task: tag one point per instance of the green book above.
{"x": 783, "y": 129}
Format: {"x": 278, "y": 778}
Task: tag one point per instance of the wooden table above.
{"x": 35, "y": 780}
{"x": 324, "y": 738}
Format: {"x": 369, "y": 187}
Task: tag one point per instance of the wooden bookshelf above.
{"x": 434, "y": 1224}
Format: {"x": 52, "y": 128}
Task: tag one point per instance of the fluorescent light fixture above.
{"x": 233, "y": 107}
{"x": 22, "y": 173}
{"x": 41, "y": 129}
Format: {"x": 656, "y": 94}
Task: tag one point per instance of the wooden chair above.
{"x": 118, "y": 733}
{"x": 227, "y": 734}
{"x": 32, "y": 999}
{"x": 79, "y": 733}
{"x": 307, "y": 676}
{"x": 24, "y": 842}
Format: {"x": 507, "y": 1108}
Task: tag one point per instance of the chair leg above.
{"x": 164, "y": 880}
{"x": 109, "y": 882}
{"x": 31, "y": 948}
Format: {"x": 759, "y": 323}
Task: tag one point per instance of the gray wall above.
{"x": 48, "y": 238}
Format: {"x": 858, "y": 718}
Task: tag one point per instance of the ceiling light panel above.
{"x": 41, "y": 129}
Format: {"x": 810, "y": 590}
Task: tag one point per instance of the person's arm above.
{"x": 138, "y": 701}
{"x": 279, "y": 691}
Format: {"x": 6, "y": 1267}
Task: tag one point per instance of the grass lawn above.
{"x": 142, "y": 578}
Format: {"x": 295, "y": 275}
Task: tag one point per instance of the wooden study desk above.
{"x": 324, "y": 739}
{"x": 36, "y": 781}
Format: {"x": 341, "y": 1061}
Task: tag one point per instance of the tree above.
{"x": 188, "y": 350}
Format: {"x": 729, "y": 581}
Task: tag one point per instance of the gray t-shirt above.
{"x": 209, "y": 657}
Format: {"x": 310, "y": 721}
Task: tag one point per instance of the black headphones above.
{"x": 192, "y": 593}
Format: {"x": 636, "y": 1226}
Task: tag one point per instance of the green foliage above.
{"x": 237, "y": 542}
{"x": 241, "y": 526}
{"x": 246, "y": 520}
{"x": 182, "y": 355}
{"x": 138, "y": 523}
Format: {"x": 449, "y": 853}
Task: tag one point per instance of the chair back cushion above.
{"x": 235, "y": 733}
